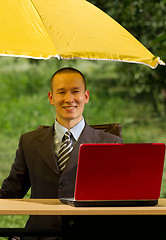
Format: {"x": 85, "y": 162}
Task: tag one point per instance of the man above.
{"x": 38, "y": 163}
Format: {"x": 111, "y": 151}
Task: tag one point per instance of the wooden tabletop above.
{"x": 55, "y": 207}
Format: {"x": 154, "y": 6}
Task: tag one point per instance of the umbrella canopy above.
{"x": 66, "y": 29}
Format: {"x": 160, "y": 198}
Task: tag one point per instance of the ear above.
{"x": 86, "y": 96}
{"x": 50, "y": 98}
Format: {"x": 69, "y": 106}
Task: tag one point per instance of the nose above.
{"x": 69, "y": 98}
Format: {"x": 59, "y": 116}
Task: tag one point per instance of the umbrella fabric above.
{"x": 66, "y": 29}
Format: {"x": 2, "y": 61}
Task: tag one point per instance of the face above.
{"x": 69, "y": 97}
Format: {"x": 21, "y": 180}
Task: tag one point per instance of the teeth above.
{"x": 70, "y": 107}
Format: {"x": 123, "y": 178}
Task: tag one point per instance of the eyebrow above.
{"x": 60, "y": 89}
{"x": 63, "y": 89}
{"x": 76, "y": 88}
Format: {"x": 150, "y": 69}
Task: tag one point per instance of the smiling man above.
{"x": 46, "y": 159}
{"x": 69, "y": 95}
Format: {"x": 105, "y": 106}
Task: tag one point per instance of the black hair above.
{"x": 68, "y": 69}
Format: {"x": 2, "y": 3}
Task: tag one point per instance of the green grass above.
{"x": 24, "y": 106}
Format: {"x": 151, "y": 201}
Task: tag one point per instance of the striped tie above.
{"x": 65, "y": 150}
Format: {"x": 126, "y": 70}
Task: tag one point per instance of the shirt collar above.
{"x": 76, "y": 130}
{"x": 59, "y": 130}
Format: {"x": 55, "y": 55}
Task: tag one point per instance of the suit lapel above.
{"x": 46, "y": 149}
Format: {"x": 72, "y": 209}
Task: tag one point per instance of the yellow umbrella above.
{"x": 66, "y": 29}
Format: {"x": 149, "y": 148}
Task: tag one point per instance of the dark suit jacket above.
{"x": 35, "y": 166}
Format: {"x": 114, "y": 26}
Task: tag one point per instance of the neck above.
{"x": 69, "y": 124}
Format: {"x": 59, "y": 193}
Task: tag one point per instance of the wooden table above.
{"x": 118, "y": 222}
{"x": 55, "y": 207}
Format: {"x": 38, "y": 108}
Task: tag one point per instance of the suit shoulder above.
{"x": 38, "y": 133}
{"x": 104, "y": 137}
{"x": 34, "y": 132}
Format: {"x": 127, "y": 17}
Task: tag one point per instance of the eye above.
{"x": 76, "y": 91}
{"x": 61, "y": 92}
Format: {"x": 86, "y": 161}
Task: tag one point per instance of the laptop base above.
{"x": 126, "y": 203}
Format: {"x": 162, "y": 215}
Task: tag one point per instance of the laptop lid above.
{"x": 119, "y": 172}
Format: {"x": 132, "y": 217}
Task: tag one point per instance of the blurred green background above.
{"x": 130, "y": 94}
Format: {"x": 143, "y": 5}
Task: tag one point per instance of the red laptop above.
{"x": 118, "y": 175}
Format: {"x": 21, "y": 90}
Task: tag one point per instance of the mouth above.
{"x": 69, "y": 108}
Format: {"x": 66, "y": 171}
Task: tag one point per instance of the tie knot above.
{"x": 67, "y": 135}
